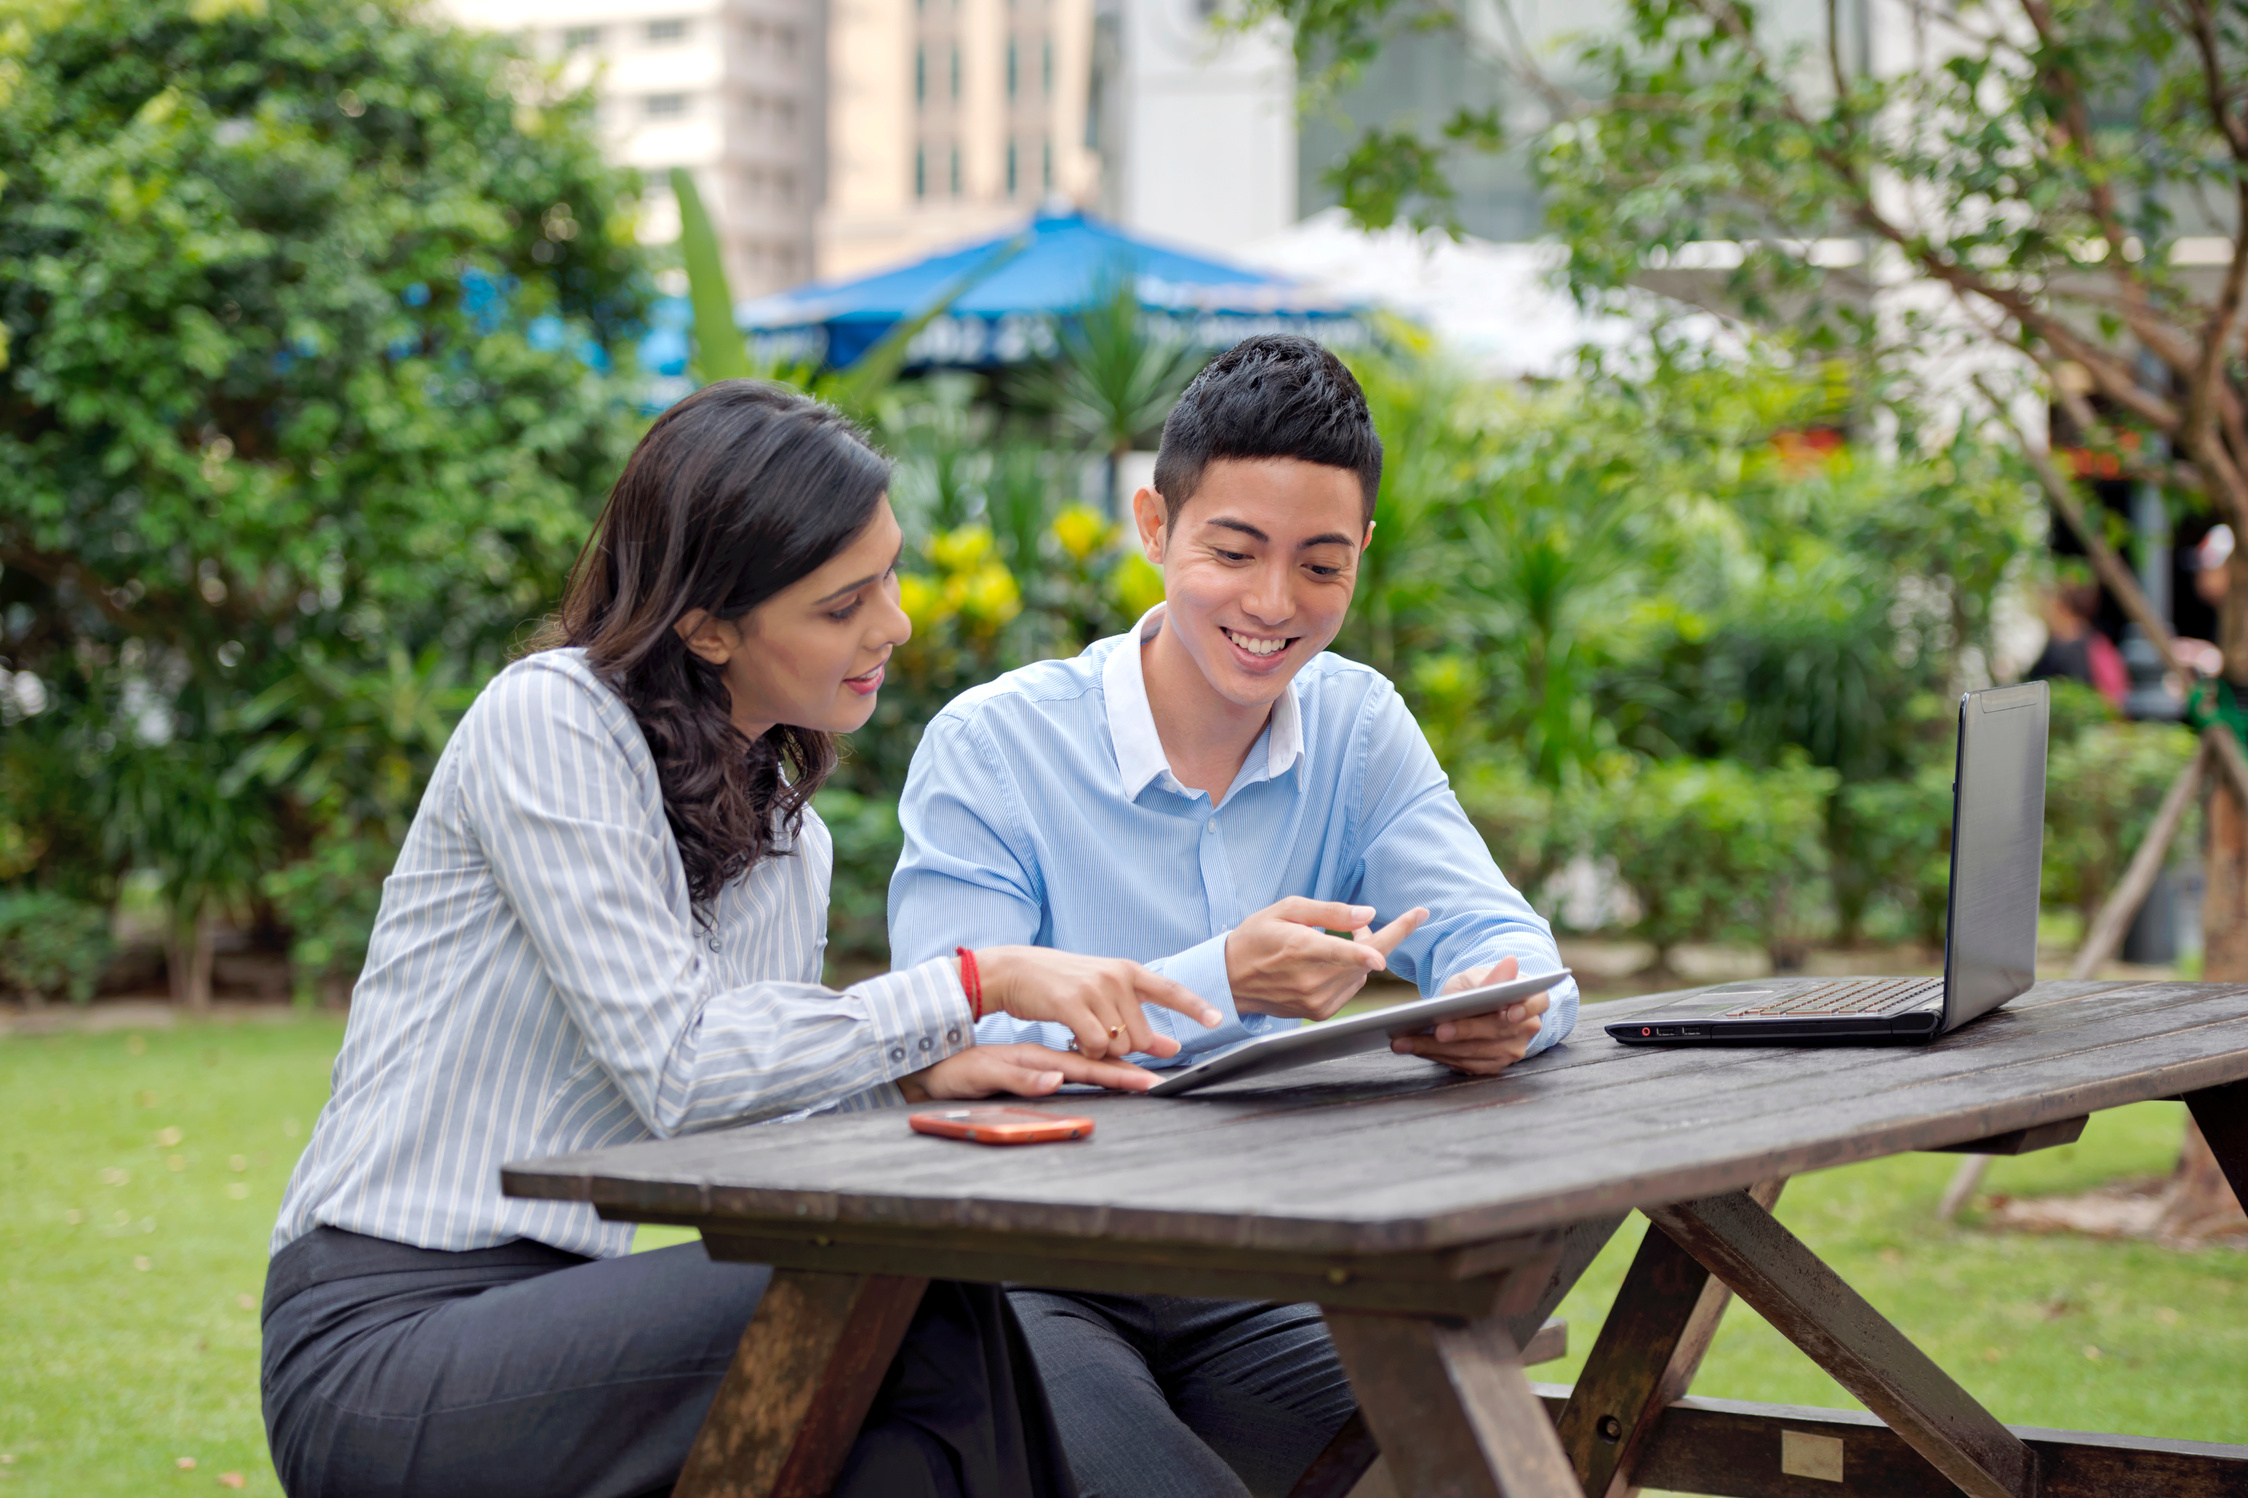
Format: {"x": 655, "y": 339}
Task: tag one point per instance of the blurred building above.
{"x": 1196, "y": 124}
{"x": 733, "y": 90}
{"x": 949, "y": 120}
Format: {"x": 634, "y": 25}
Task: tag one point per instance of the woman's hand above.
{"x": 1097, "y": 998}
{"x": 1025, "y": 1070}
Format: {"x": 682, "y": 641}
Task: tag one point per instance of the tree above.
{"x": 2057, "y": 187}
{"x": 310, "y": 318}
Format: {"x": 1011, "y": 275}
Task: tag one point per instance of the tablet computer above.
{"x": 1329, "y": 1039}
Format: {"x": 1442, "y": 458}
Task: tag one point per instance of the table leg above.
{"x": 2222, "y": 1113}
{"x": 1335, "y": 1473}
{"x": 1806, "y": 1302}
{"x": 1649, "y": 1349}
{"x": 1451, "y": 1407}
{"x": 802, "y": 1380}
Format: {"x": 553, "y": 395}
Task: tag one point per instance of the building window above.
{"x": 1046, "y": 164}
{"x": 579, "y": 37}
{"x": 1010, "y": 167}
{"x": 920, "y": 75}
{"x": 956, "y": 171}
{"x": 956, "y": 75}
{"x": 665, "y": 106}
{"x": 1011, "y": 68}
{"x": 1046, "y": 67}
{"x": 667, "y": 31}
{"x": 920, "y": 171}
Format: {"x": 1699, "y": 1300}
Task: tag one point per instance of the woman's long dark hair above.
{"x": 736, "y": 492}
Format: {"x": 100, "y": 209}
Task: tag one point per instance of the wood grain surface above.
{"x": 802, "y": 1379}
{"x": 1806, "y": 1302}
{"x": 1387, "y": 1154}
{"x": 1732, "y": 1449}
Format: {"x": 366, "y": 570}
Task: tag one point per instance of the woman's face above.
{"x": 812, "y": 654}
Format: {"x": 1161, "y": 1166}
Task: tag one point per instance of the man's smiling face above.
{"x": 1258, "y": 568}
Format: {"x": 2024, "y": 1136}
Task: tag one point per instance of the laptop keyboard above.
{"x": 1845, "y": 996}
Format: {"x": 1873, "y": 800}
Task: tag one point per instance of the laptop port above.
{"x": 1690, "y": 1030}
{"x": 1661, "y": 1030}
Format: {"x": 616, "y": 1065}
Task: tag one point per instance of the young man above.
{"x": 1204, "y": 795}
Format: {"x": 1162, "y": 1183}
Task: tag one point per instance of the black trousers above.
{"x": 525, "y": 1372}
{"x": 1160, "y": 1396}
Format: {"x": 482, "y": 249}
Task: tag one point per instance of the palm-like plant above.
{"x": 1117, "y": 373}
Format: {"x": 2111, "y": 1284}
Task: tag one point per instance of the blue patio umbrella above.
{"x": 1019, "y": 281}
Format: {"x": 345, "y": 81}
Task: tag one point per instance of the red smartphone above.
{"x": 1000, "y": 1125}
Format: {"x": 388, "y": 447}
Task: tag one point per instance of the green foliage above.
{"x": 310, "y": 314}
{"x": 51, "y": 945}
{"x": 1531, "y": 829}
{"x": 868, "y": 843}
{"x": 720, "y": 352}
{"x": 1713, "y": 849}
{"x": 329, "y": 899}
{"x": 2101, "y": 791}
{"x": 1895, "y": 837}
{"x": 1116, "y": 374}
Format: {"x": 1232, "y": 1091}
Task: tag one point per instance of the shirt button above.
{"x": 953, "y": 1036}
{"x": 927, "y": 1044}
{"x": 897, "y": 1053}
{"x": 714, "y": 944}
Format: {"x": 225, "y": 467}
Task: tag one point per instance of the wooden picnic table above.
{"x": 1438, "y": 1220}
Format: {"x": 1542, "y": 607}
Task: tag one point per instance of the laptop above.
{"x": 1990, "y": 926}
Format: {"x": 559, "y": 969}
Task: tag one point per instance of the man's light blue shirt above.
{"x": 1040, "y": 810}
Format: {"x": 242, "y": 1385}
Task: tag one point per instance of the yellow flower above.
{"x": 962, "y": 550}
{"x": 1135, "y": 585}
{"x": 1082, "y": 530}
{"x": 922, "y": 601}
{"x": 991, "y": 595}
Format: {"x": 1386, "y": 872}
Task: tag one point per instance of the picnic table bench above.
{"x": 1438, "y": 1221}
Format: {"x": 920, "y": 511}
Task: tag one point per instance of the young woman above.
{"x": 606, "y": 924}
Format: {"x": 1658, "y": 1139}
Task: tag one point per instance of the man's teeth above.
{"x": 1256, "y": 646}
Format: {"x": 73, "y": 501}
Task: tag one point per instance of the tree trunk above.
{"x": 2199, "y": 1202}
{"x": 188, "y": 953}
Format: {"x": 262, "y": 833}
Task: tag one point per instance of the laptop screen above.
{"x": 1997, "y": 849}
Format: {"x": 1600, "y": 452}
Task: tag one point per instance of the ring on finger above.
{"x": 1114, "y": 1031}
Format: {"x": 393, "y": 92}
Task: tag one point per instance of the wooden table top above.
{"x": 1389, "y": 1154}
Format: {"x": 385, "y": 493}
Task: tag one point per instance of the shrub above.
{"x": 867, "y": 845}
{"x": 2101, "y": 792}
{"x": 1526, "y": 824}
{"x": 329, "y": 901}
{"x": 1897, "y": 833}
{"x": 1716, "y": 849}
{"x": 52, "y": 945}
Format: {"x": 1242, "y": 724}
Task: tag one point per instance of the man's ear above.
{"x": 708, "y": 636}
{"x": 1150, "y": 516}
{"x": 1369, "y": 536}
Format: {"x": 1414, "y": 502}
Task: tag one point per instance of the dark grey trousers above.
{"x": 1163, "y": 1397}
{"x": 526, "y": 1372}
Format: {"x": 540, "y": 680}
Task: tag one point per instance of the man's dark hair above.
{"x": 1273, "y": 396}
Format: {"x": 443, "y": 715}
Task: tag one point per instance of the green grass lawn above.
{"x": 143, "y": 1174}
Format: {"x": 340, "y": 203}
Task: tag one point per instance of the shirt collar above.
{"x": 1131, "y": 721}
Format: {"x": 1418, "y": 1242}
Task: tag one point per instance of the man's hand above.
{"x": 1481, "y": 1044}
{"x": 1025, "y": 1070}
{"x": 1097, "y": 998}
{"x": 1282, "y": 961}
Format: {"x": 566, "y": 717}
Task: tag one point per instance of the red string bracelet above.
{"x": 971, "y": 981}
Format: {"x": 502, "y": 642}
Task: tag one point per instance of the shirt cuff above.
{"x": 1201, "y": 968}
{"x": 920, "y": 1016}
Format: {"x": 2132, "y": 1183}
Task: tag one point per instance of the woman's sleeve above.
{"x": 571, "y": 822}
